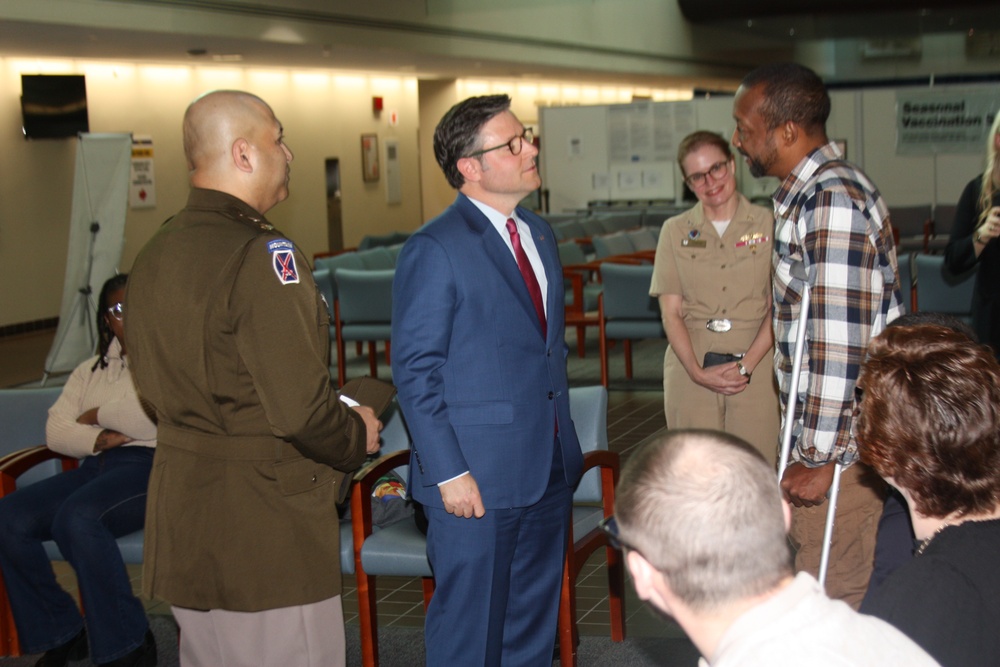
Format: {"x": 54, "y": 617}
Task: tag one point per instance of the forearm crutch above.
{"x": 798, "y": 271}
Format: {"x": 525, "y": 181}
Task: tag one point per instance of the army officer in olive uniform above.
{"x": 712, "y": 276}
{"x": 229, "y": 340}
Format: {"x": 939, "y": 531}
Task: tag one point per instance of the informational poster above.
{"x": 944, "y": 121}
{"x": 630, "y": 133}
{"x": 142, "y": 178}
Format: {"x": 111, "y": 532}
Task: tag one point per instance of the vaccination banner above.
{"x": 944, "y": 121}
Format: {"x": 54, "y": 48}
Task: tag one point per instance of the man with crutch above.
{"x": 830, "y": 218}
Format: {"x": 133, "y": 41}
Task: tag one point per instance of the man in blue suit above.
{"x": 479, "y": 359}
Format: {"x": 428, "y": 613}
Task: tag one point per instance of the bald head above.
{"x": 234, "y": 144}
{"x": 704, "y": 508}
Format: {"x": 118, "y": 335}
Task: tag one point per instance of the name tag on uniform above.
{"x": 694, "y": 243}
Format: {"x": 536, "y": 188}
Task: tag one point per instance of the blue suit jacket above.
{"x": 480, "y": 387}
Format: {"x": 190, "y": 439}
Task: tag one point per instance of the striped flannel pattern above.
{"x": 830, "y": 217}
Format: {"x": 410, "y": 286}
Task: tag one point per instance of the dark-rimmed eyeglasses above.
{"x": 514, "y": 144}
{"x": 117, "y": 311}
{"x": 609, "y": 527}
{"x": 716, "y": 171}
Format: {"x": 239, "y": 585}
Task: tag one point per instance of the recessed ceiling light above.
{"x": 197, "y": 53}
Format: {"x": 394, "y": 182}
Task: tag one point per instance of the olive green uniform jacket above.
{"x": 228, "y": 338}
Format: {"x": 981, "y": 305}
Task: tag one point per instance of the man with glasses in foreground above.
{"x": 479, "y": 359}
{"x": 704, "y": 528}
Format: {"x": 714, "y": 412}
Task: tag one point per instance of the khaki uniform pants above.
{"x": 753, "y": 414}
{"x": 310, "y": 635}
{"x": 852, "y": 553}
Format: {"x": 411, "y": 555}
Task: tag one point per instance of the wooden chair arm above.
{"x": 17, "y": 463}
{"x": 361, "y": 492}
{"x": 609, "y": 462}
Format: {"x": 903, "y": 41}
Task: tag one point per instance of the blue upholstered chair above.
{"x": 939, "y": 291}
{"x": 362, "y": 312}
{"x": 626, "y": 311}
{"x": 401, "y": 550}
{"x": 582, "y": 287}
{"x": 23, "y": 461}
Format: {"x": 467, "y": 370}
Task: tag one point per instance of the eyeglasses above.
{"x": 716, "y": 171}
{"x": 514, "y": 144}
{"x": 609, "y": 526}
{"x": 117, "y": 311}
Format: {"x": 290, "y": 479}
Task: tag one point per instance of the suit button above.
{"x": 314, "y": 479}
{"x": 551, "y": 395}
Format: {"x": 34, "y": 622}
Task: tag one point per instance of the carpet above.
{"x": 404, "y": 647}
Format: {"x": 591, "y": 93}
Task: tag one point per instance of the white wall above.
{"x": 866, "y": 119}
{"x": 323, "y": 113}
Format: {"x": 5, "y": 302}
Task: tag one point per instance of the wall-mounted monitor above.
{"x": 54, "y": 105}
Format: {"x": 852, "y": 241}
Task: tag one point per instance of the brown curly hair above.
{"x": 929, "y": 418}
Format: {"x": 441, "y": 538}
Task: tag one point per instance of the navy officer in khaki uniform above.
{"x": 713, "y": 279}
{"x": 229, "y": 340}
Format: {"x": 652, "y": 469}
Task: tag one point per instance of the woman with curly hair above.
{"x": 929, "y": 424}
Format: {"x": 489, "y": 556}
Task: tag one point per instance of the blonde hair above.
{"x": 991, "y": 175}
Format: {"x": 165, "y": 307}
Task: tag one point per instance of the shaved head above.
{"x": 214, "y": 120}
{"x": 229, "y": 136}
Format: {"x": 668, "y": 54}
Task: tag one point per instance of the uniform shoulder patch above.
{"x": 283, "y": 260}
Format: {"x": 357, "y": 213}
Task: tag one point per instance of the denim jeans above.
{"x": 83, "y": 510}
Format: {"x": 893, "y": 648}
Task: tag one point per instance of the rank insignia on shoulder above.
{"x": 283, "y": 260}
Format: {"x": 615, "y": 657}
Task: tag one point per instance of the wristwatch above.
{"x": 743, "y": 370}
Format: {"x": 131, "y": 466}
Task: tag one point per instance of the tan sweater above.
{"x": 112, "y": 392}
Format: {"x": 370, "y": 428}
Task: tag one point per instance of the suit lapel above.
{"x": 499, "y": 254}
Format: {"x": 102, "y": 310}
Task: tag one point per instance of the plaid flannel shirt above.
{"x": 830, "y": 217}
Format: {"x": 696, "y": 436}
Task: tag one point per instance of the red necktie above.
{"x": 527, "y": 273}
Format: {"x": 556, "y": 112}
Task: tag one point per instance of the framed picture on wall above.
{"x": 369, "y": 157}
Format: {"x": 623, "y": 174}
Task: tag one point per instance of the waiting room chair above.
{"x": 362, "y": 312}
{"x": 400, "y": 549}
{"x": 909, "y": 295}
{"x": 626, "y": 311}
{"x": 23, "y": 414}
{"x": 581, "y": 281}
{"x": 914, "y": 227}
{"x": 593, "y": 500}
{"x": 940, "y": 291}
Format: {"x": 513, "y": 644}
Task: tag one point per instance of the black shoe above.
{"x": 74, "y": 649}
{"x": 144, "y": 656}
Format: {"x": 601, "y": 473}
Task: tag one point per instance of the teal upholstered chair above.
{"x": 940, "y": 291}
{"x": 401, "y": 550}
{"x": 362, "y": 312}
{"x": 626, "y": 312}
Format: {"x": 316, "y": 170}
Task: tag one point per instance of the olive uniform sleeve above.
{"x": 281, "y": 328}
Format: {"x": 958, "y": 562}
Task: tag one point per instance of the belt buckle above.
{"x": 719, "y": 326}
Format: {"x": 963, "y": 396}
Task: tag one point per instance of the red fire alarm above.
{"x": 376, "y": 104}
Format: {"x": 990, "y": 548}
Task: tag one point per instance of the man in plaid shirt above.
{"x": 831, "y": 218}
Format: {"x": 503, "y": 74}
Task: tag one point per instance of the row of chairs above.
{"x": 627, "y": 313}
{"x": 367, "y": 551}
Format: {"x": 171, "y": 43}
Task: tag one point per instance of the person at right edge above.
{"x": 977, "y": 225}
{"x": 830, "y": 217}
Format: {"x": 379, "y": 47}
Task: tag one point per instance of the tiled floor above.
{"x": 635, "y": 412}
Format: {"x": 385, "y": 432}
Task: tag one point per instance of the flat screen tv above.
{"x": 53, "y": 105}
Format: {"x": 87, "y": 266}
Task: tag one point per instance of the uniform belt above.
{"x": 719, "y": 326}
{"x": 232, "y": 447}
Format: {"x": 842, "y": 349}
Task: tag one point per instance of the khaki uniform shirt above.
{"x": 718, "y": 278}
{"x": 229, "y": 341}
